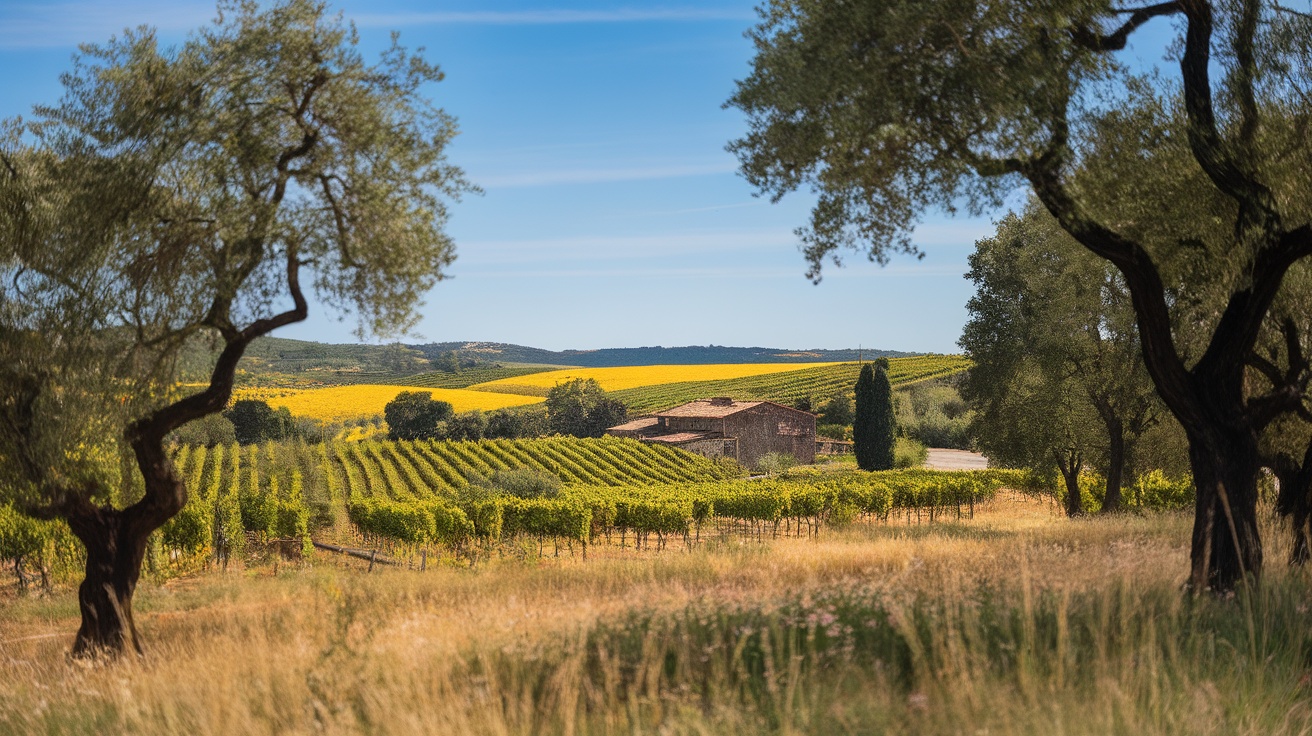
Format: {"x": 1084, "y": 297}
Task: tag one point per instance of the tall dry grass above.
{"x": 1016, "y": 622}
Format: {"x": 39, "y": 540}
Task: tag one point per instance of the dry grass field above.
{"x": 1018, "y": 621}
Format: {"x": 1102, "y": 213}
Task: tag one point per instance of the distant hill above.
{"x": 609, "y": 357}
{"x": 278, "y": 359}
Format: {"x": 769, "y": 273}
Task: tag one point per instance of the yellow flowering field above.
{"x": 337, "y": 403}
{"x": 635, "y": 376}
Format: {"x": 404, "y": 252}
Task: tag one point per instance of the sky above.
{"x": 612, "y": 216}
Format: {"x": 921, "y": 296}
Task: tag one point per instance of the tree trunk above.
{"x": 1074, "y": 503}
{"x": 114, "y": 556}
{"x": 1226, "y": 544}
{"x": 1111, "y": 500}
{"x": 1070, "y": 465}
{"x": 1294, "y": 501}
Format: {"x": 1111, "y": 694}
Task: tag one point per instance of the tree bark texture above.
{"x": 1070, "y": 464}
{"x": 1226, "y": 544}
{"x": 115, "y": 549}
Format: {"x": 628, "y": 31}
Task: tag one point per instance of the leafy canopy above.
{"x": 183, "y": 193}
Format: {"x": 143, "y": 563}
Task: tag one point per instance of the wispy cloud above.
{"x": 600, "y": 175}
{"x": 46, "y": 25}
{"x": 556, "y": 16}
{"x": 711, "y": 208}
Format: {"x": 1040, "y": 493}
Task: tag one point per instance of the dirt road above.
{"x": 940, "y": 459}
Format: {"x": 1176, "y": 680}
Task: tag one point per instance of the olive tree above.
{"x": 890, "y": 107}
{"x": 184, "y": 193}
{"x": 1051, "y": 321}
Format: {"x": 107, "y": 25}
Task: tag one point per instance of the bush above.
{"x": 1155, "y": 490}
{"x": 934, "y": 414}
{"x": 414, "y": 415}
{"x": 580, "y": 408}
{"x": 470, "y": 425}
{"x": 255, "y": 421}
{"x": 838, "y": 410}
{"x": 908, "y": 453}
{"x": 210, "y": 430}
{"x": 774, "y": 463}
{"x": 834, "y": 431}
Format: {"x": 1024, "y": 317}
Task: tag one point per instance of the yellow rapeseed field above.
{"x": 615, "y": 379}
{"x": 338, "y": 403}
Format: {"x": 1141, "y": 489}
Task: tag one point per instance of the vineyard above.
{"x": 788, "y": 387}
{"x": 412, "y": 496}
{"x": 407, "y": 495}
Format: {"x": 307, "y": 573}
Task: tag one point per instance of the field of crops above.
{"x": 340, "y": 403}
{"x": 286, "y": 490}
{"x": 628, "y": 377}
{"x": 641, "y": 388}
{"x": 818, "y": 382}
{"x": 412, "y": 496}
{"x": 470, "y": 376}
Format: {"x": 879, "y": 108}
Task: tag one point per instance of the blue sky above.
{"x": 613, "y": 217}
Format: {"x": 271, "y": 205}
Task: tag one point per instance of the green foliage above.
{"x": 525, "y": 483}
{"x": 519, "y": 423}
{"x": 874, "y": 426}
{"x": 191, "y": 529}
{"x": 834, "y": 431}
{"x": 254, "y": 421}
{"x": 775, "y": 463}
{"x": 934, "y": 414}
{"x": 447, "y": 362}
{"x": 406, "y": 492}
{"x": 1058, "y": 369}
{"x": 469, "y": 425}
{"x": 210, "y": 430}
{"x": 169, "y": 200}
{"x": 1156, "y": 491}
{"x": 414, "y": 415}
{"x": 909, "y": 453}
{"x": 20, "y": 535}
{"x": 540, "y": 517}
{"x": 580, "y": 408}
{"x": 837, "y": 410}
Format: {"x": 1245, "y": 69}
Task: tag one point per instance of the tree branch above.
{"x": 1256, "y": 205}
{"x": 1240, "y": 325}
{"x": 1116, "y": 40}
{"x": 1147, "y": 291}
{"x": 147, "y": 435}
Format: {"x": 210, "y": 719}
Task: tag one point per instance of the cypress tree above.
{"x": 873, "y": 428}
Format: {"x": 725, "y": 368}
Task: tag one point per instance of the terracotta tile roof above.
{"x": 709, "y": 408}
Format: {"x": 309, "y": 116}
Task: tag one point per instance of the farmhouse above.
{"x": 722, "y": 427}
